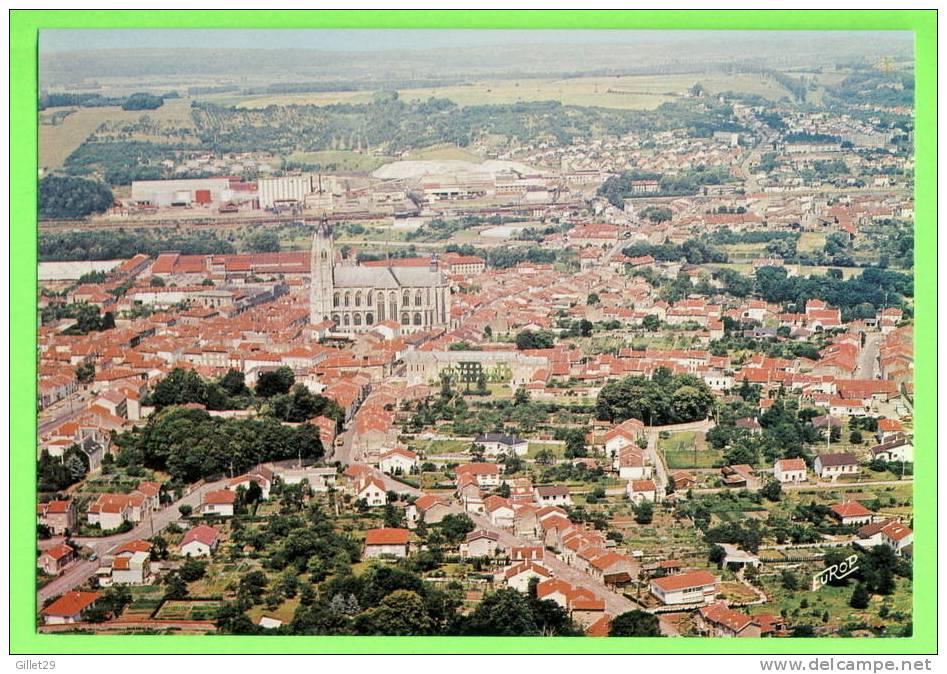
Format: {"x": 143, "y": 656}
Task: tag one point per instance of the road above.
{"x": 868, "y": 358}
{"x": 80, "y": 572}
{"x": 65, "y": 410}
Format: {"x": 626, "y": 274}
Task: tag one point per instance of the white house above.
{"x": 896, "y": 449}
{"x": 519, "y": 575}
{"x": 218, "y": 503}
{"x": 486, "y": 474}
{"x": 852, "y": 513}
{"x": 397, "y": 460}
{"x": 386, "y": 541}
{"x": 831, "y": 466}
{"x": 552, "y": 495}
{"x": 642, "y": 490}
{"x": 789, "y": 470}
{"x": 692, "y": 587}
{"x": 480, "y": 544}
{"x": 69, "y": 607}
{"x": 133, "y": 569}
{"x": 499, "y": 510}
{"x": 495, "y": 444}
{"x": 200, "y": 541}
{"x": 372, "y": 491}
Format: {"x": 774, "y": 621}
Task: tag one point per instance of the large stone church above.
{"x": 355, "y": 298}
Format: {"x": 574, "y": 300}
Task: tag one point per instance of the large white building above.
{"x": 285, "y": 190}
{"x": 355, "y": 298}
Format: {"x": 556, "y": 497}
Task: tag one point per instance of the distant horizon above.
{"x": 60, "y": 41}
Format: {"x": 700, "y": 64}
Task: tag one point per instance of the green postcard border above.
{"x": 24, "y": 27}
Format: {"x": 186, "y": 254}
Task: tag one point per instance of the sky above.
{"x": 59, "y": 41}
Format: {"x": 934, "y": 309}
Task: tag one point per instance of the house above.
{"x": 480, "y": 543}
{"x": 110, "y": 511}
{"x": 642, "y": 490}
{"x": 200, "y": 541}
{"x": 397, "y": 461}
{"x": 429, "y": 508}
{"x": 852, "y": 513}
{"x": 739, "y": 475}
{"x": 630, "y": 464}
{"x": 386, "y": 541}
{"x": 518, "y": 575}
{"x": 486, "y": 474}
{"x": 264, "y": 482}
{"x": 129, "y": 569}
{"x": 499, "y": 510}
{"x": 620, "y": 437}
{"x": 683, "y": 480}
{"x": 831, "y": 466}
{"x": 613, "y": 568}
{"x": 691, "y": 587}
{"x": 718, "y": 620}
{"x": 218, "y": 503}
{"x": 53, "y": 560}
{"x": 552, "y": 495}
{"x": 68, "y": 608}
{"x": 789, "y": 470}
{"x": 897, "y": 448}
{"x": 58, "y": 516}
{"x": 372, "y": 491}
{"x": 888, "y": 429}
{"x": 897, "y": 536}
{"x": 495, "y": 444}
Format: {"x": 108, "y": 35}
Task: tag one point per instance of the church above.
{"x": 355, "y": 298}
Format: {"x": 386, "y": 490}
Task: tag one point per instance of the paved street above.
{"x": 80, "y": 572}
{"x": 868, "y": 358}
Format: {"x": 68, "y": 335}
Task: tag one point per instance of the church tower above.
{"x": 321, "y": 261}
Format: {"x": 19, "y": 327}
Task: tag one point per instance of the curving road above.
{"x": 78, "y": 573}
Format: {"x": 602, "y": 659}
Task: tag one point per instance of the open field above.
{"x": 636, "y": 92}
{"x": 56, "y": 142}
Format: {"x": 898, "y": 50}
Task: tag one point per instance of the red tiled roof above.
{"x": 71, "y": 603}
{"x": 387, "y": 536}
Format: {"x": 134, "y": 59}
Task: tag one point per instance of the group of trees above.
{"x": 88, "y": 317}
{"x": 665, "y": 398}
{"x": 190, "y": 444}
{"x": 57, "y": 473}
{"x": 693, "y": 251}
{"x": 111, "y": 245}
{"x": 181, "y": 387}
{"x": 61, "y": 197}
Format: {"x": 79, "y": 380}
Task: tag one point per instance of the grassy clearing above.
{"x": 443, "y": 152}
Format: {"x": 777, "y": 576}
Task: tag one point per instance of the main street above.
{"x": 868, "y": 358}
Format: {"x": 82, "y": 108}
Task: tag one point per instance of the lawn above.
{"x": 682, "y": 450}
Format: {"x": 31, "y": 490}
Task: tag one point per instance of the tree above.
{"x": 860, "y": 597}
{"x": 234, "y": 383}
{"x": 644, "y": 512}
{"x": 175, "y": 586}
{"x": 192, "y": 569}
{"x": 855, "y": 437}
{"x": 264, "y": 242}
{"x": 772, "y": 491}
{"x": 789, "y": 580}
{"x": 528, "y": 339}
{"x": 185, "y": 510}
{"x": 275, "y": 382}
{"x": 651, "y": 323}
{"x": 592, "y": 299}
{"x": 635, "y": 623}
{"x": 504, "y": 613}
{"x": 401, "y": 613}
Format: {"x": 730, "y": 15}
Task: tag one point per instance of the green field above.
{"x": 633, "y": 92}
{"x": 56, "y": 142}
{"x": 341, "y": 160}
{"x": 681, "y": 450}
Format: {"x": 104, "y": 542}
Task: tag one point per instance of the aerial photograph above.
{"x": 530, "y": 333}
